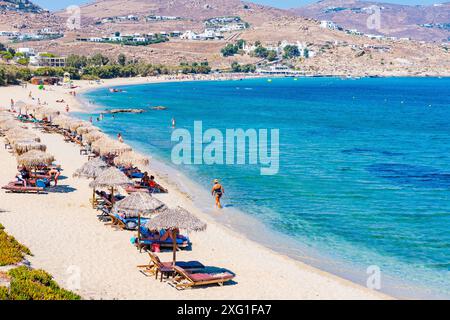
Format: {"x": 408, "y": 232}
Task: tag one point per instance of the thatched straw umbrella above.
{"x": 19, "y": 105}
{"x": 116, "y": 148}
{"x": 35, "y": 159}
{"x": 85, "y": 129}
{"x": 111, "y": 178}
{"x": 16, "y": 136}
{"x": 74, "y": 125}
{"x": 92, "y": 136}
{"x": 174, "y": 219}
{"x": 106, "y": 145}
{"x": 4, "y": 115}
{"x": 45, "y": 112}
{"x": 139, "y": 203}
{"x": 131, "y": 158}
{"x": 61, "y": 120}
{"x": 91, "y": 170}
{"x": 99, "y": 143}
{"x": 8, "y": 124}
{"x": 22, "y": 147}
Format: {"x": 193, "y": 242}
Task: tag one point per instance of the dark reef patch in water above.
{"x": 411, "y": 175}
{"x": 354, "y": 151}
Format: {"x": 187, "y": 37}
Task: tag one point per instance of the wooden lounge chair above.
{"x": 18, "y": 187}
{"x": 185, "y": 279}
{"x": 156, "y": 267}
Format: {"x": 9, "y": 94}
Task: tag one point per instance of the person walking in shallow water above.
{"x": 217, "y": 191}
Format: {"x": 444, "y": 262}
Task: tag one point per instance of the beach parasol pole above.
{"x": 174, "y": 240}
{"x": 93, "y": 198}
{"x": 139, "y": 231}
{"x": 112, "y": 195}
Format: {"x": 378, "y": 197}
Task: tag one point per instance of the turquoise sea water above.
{"x": 364, "y": 167}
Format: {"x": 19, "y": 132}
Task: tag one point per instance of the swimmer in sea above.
{"x": 218, "y": 192}
{"x": 173, "y": 123}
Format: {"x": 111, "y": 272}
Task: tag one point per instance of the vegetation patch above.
{"x": 11, "y": 251}
{"x": 27, "y": 284}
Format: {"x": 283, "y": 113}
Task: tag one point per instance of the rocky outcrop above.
{"x": 114, "y": 111}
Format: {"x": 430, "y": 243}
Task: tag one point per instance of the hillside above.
{"x": 335, "y": 52}
{"x": 19, "y": 6}
{"x": 421, "y": 22}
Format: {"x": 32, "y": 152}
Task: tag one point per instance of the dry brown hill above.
{"x": 396, "y": 20}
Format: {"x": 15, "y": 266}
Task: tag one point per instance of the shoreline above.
{"x": 238, "y": 221}
{"x": 307, "y": 282}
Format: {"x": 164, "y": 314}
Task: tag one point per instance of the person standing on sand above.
{"x": 67, "y": 108}
{"x": 218, "y": 192}
{"x": 119, "y": 137}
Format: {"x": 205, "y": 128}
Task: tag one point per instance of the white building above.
{"x": 28, "y": 52}
{"x": 189, "y": 35}
{"x": 95, "y": 39}
{"x": 328, "y": 25}
{"x": 278, "y": 69}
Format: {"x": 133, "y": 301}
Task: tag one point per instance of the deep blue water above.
{"x": 364, "y": 164}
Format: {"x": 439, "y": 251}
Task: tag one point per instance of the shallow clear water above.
{"x": 364, "y": 164}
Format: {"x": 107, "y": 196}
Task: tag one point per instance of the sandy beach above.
{"x": 66, "y": 238}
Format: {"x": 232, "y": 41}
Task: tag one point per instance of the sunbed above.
{"x": 186, "y": 279}
{"x": 156, "y": 267}
{"x": 125, "y": 223}
{"x": 182, "y": 241}
{"x": 19, "y": 187}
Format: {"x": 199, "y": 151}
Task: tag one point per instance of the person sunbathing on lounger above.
{"x": 150, "y": 183}
{"x": 145, "y": 181}
{"x": 23, "y": 175}
{"x": 168, "y": 235}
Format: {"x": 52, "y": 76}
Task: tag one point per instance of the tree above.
{"x": 117, "y": 34}
{"x": 7, "y": 55}
{"x": 272, "y": 55}
{"x": 122, "y": 59}
{"x": 229, "y": 50}
{"x": 291, "y": 51}
{"x": 261, "y": 52}
{"x": 246, "y": 68}
{"x": 98, "y": 60}
{"x": 77, "y": 62}
{"x": 23, "y": 61}
{"x": 240, "y": 44}
{"x": 235, "y": 66}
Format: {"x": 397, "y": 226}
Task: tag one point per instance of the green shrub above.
{"x": 4, "y": 293}
{"x": 89, "y": 77}
{"x": 11, "y": 251}
{"x": 27, "y": 284}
